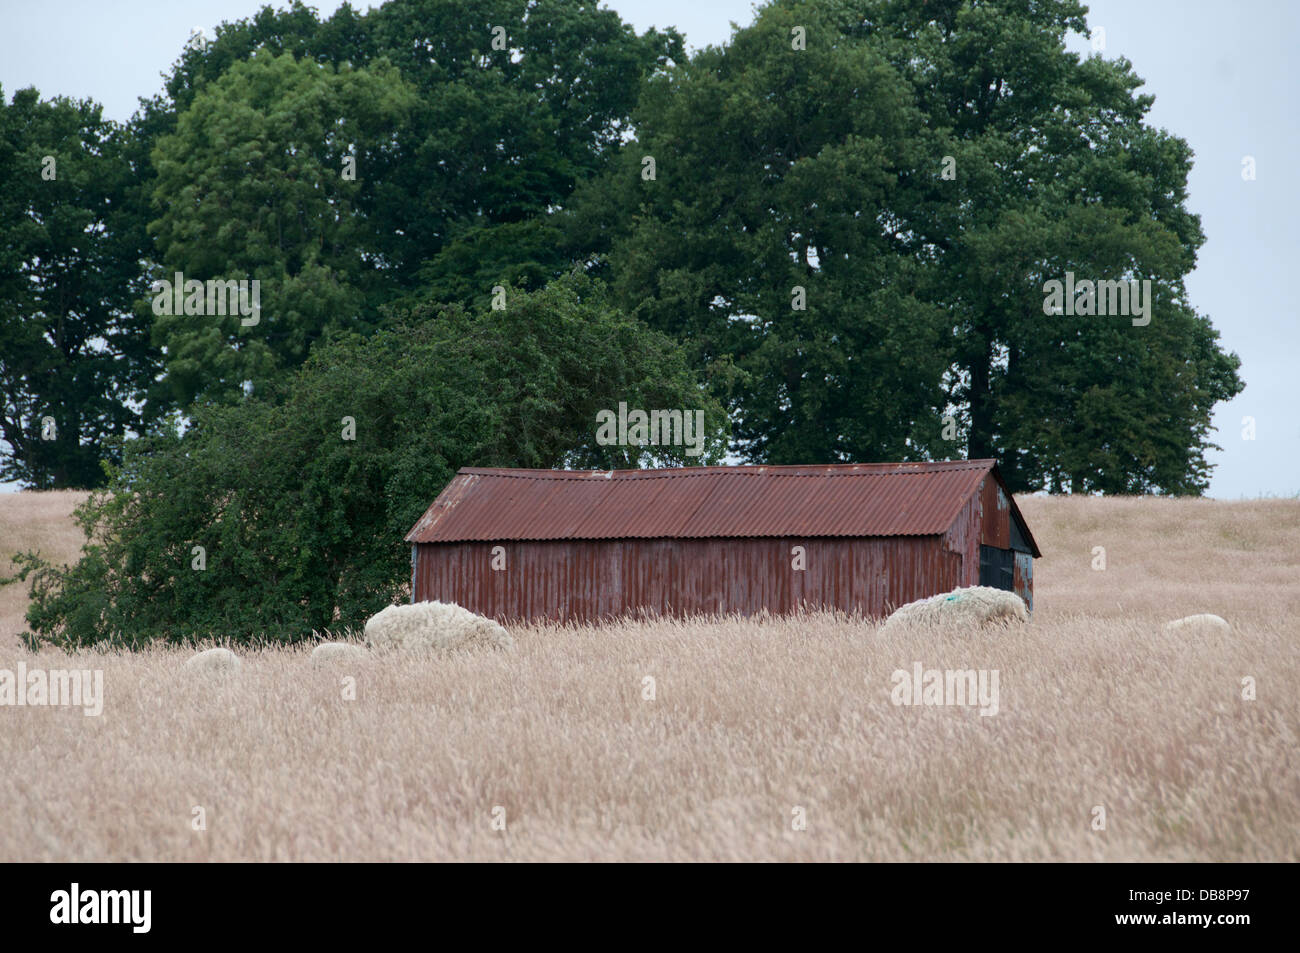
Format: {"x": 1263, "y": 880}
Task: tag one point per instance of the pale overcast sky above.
{"x": 1224, "y": 76}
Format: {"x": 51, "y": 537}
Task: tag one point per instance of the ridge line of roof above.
{"x": 892, "y": 534}
{"x": 824, "y": 469}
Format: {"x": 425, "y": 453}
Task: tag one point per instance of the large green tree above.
{"x": 76, "y": 365}
{"x": 255, "y": 183}
{"x": 761, "y": 239}
{"x": 465, "y": 149}
{"x": 1057, "y": 172}
{"x": 920, "y": 168}
{"x": 518, "y": 101}
{"x": 300, "y": 500}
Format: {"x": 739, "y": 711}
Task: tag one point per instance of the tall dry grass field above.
{"x": 751, "y": 722}
{"x": 39, "y": 521}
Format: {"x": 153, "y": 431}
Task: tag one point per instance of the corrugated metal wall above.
{"x": 588, "y": 580}
{"x": 1024, "y": 579}
{"x": 995, "y": 515}
{"x": 989, "y": 512}
{"x": 986, "y": 520}
{"x": 963, "y": 538}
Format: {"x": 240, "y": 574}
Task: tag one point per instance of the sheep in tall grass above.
{"x": 213, "y": 662}
{"x": 441, "y": 626}
{"x": 329, "y": 652}
{"x": 970, "y": 608}
{"x": 1203, "y": 624}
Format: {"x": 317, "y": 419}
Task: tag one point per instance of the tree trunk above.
{"x": 980, "y": 443}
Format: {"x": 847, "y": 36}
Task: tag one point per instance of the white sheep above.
{"x": 433, "y": 625}
{"x": 970, "y": 607}
{"x": 214, "y": 662}
{"x": 329, "y": 652}
{"x": 1205, "y": 623}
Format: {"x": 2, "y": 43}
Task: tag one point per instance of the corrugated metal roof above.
{"x": 865, "y": 499}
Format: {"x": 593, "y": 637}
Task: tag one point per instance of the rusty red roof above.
{"x": 852, "y": 499}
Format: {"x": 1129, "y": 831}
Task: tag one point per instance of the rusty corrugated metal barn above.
{"x": 585, "y": 545}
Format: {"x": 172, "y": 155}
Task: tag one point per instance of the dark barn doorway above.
{"x": 997, "y": 568}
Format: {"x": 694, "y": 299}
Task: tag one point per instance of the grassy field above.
{"x": 40, "y": 521}
{"x": 753, "y": 724}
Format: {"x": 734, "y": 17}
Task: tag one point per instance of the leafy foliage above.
{"x": 302, "y": 529}
{"x": 824, "y": 169}
{"x": 71, "y": 349}
{"x": 250, "y": 186}
{"x": 497, "y": 136}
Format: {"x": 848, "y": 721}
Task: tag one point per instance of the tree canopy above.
{"x": 912, "y": 174}
{"x": 251, "y": 185}
{"x": 76, "y": 363}
{"x": 299, "y": 498}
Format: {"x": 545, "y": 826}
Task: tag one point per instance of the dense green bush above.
{"x": 302, "y": 529}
